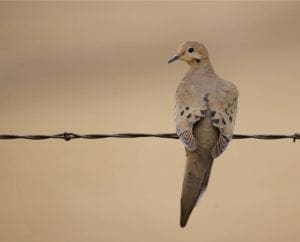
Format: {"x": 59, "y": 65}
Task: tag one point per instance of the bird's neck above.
{"x": 204, "y": 67}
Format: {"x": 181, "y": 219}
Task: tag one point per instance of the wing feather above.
{"x": 226, "y": 114}
{"x": 219, "y": 104}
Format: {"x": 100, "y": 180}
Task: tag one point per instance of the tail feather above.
{"x": 194, "y": 187}
{"x": 198, "y": 168}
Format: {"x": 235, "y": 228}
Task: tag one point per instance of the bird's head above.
{"x": 191, "y": 52}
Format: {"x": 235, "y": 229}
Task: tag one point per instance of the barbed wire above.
{"x": 67, "y": 136}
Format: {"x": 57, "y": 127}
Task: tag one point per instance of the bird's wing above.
{"x": 223, "y": 106}
{"x": 219, "y": 103}
{"x": 188, "y": 111}
{"x": 185, "y": 121}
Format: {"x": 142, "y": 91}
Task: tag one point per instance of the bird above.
{"x": 205, "y": 113}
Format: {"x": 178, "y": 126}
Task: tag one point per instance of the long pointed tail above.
{"x": 198, "y": 168}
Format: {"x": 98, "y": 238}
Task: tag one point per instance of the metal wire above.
{"x": 67, "y": 136}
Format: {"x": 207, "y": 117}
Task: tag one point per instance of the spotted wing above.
{"x": 185, "y": 118}
{"x": 223, "y": 116}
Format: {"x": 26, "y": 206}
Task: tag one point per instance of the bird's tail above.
{"x": 198, "y": 168}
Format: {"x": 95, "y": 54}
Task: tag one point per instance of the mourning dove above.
{"x": 205, "y": 112}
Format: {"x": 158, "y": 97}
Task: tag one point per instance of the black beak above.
{"x": 173, "y": 59}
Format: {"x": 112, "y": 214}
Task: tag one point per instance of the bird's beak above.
{"x": 174, "y": 58}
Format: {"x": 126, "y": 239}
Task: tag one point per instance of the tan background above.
{"x": 102, "y": 68}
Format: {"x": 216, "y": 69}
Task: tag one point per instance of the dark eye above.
{"x": 190, "y": 50}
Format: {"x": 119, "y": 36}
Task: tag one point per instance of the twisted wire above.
{"x": 67, "y": 136}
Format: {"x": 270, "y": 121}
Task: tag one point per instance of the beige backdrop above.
{"x": 102, "y": 68}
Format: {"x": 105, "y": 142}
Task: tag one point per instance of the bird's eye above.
{"x": 190, "y": 50}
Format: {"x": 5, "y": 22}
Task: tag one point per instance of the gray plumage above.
{"x": 205, "y": 112}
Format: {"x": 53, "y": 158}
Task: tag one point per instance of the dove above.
{"x": 205, "y": 112}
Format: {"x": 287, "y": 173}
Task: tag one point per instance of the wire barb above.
{"x": 67, "y": 136}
